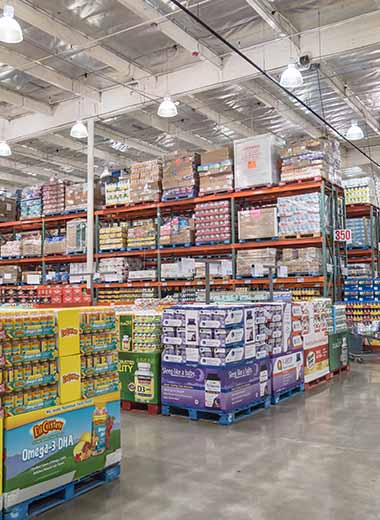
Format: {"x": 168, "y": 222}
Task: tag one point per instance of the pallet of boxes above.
{"x": 140, "y": 360}
{"x": 61, "y": 406}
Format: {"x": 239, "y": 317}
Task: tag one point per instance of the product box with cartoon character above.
{"x": 51, "y": 447}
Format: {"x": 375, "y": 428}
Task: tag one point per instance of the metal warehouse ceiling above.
{"x": 114, "y": 59}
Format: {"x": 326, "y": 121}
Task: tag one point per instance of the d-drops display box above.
{"x": 49, "y": 448}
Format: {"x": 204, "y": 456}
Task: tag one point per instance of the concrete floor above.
{"x": 314, "y": 457}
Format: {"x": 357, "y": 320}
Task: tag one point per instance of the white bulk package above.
{"x": 257, "y": 161}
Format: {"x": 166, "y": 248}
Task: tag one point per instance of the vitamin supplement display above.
{"x": 99, "y": 359}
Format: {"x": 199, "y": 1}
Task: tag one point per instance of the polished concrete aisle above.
{"x": 315, "y": 457}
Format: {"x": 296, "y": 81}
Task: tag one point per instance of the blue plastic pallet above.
{"x": 123, "y": 249}
{"x": 169, "y": 246}
{"x": 253, "y": 240}
{"x": 213, "y": 243}
{"x": 287, "y": 394}
{"x": 147, "y": 248}
{"x": 221, "y": 417}
{"x": 40, "y": 504}
{"x": 168, "y": 198}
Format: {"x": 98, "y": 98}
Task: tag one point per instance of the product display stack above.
{"x": 256, "y": 262}
{"x": 145, "y": 182}
{"x": 30, "y": 203}
{"x": 142, "y": 234}
{"x": 76, "y": 197}
{"x": 213, "y": 222}
{"x": 299, "y": 215}
{"x": 216, "y": 172}
{"x": 76, "y": 232}
{"x": 302, "y": 261}
{"x": 140, "y": 360}
{"x": 211, "y": 364}
{"x": 257, "y": 223}
{"x": 310, "y": 159}
{"x": 180, "y": 176}
{"x": 360, "y": 191}
{"x": 52, "y": 436}
{"x": 117, "y": 190}
{"x": 53, "y": 197}
{"x": 338, "y": 339}
{"x": 113, "y": 237}
{"x": 176, "y": 231}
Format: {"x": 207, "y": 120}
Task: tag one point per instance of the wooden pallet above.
{"x": 132, "y": 406}
{"x": 294, "y": 236}
{"x": 319, "y": 381}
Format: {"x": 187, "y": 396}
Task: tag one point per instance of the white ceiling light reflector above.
{"x": 354, "y": 133}
{"x": 105, "y": 173}
{"x": 10, "y": 29}
{"x": 79, "y": 130}
{"x": 5, "y": 150}
{"x": 291, "y": 77}
{"x": 167, "y": 108}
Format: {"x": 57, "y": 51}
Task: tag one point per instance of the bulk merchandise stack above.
{"x": 140, "y": 359}
{"x": 61, "y": 424}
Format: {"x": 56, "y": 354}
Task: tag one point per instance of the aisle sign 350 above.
{"x": 343, "y": 235}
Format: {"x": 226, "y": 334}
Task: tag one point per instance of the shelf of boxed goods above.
{"x": 260, "y": 195}
{"x": 363, "y": 254}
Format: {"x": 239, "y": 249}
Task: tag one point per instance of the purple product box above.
{"x": 222, "y": 318}
{"x": 217, "y": 388}
{"x": 221, "y": 337}
{"x": 287, "y": 371}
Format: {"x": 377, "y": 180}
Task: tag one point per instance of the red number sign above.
{"x": 343, "y": 235}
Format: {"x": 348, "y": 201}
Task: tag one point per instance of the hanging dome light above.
{"x": 10, "y": 30}
{"x": 105, "y": 173}
{"x": 5, "y": 150}
{"x": 354, "y": 133}
{"x": 167, "y": 108}
{"x": 79, "y": 130}
{"x": 291, "y": 77}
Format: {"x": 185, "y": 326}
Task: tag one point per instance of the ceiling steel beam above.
{"x": 30, "y": 104}
{"x": 172, "y": 31}
{"x": 220, "y": 119}
{"x": 164, "y": 126}
{"x": 137, "y": 144}
{"x": 47, "y": 74}
{"x": 31, "y": 153}
{"x": 64, "y": 142}
{"x": 284, "y": 109}
{"x": 50, "y": 25}
{"x": 37, "y": 171}
{"x": 273, "y": 56}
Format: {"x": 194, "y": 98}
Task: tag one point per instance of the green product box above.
{"x": 125, "y": 329}
{"x": 338, "y": 350}
{"x": 140, "y": 377}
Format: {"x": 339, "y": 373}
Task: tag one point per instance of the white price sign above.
{"x": 343, "y": 235}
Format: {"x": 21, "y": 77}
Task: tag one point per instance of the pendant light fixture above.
{"x": 291, "y": 78}
{"x": 105, "y": 173}
{"x": 10, "y": 30}
{"x": 167, "y": 108}
{"x": 79, "y": 130}
{"x": 5, "y": 150}
{"x": 354, "y": 133}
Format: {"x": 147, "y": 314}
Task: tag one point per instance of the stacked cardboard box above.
{"x": 142, "y": 234}
{"x": 125, "y": 295}
{"x": 176, "y": 230}
{"x": 257, "y": 161}
{"x": 145, "y": 181}
{"x": 257, "y": 223}
{"x": 10, "y": 274}
{"x": 250, "y": 262}
{"x": 212, "y": 222}
{"x": 216, "y": 172}
{"x": 53, "y": 197}
{"x": 180, "y": 176}
{"x": 209, "y": 360}
{"x": 31, "y": 277}
{"x": 114, "y": 236}
{"x": 31, "y": 202}
{"x": 181, "y": 269}
{"x": 117, "y": 269}
{"x": 117, "y": 191}
{"x": 76, "y": 231}
{"x": 76, "y": 197}
{"x": 31, "y": 244}
{"x": 8, "y": 209}
{"x": 55, "y": 245}
{"x": 299, "y": 214}
{"x": 219, "y": 268}
{"x": 310, "y": 158}
{"x": 307, "y": 260}
{"x": 11, "y": 249}
{"x": 361, "y": 191}
{"x": 78, "y": 272}
{"x": 361, "y": 231}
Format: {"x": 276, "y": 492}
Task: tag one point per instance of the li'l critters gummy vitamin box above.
{"x": 49, "y": 448}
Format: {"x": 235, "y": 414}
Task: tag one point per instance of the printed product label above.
{"x": 316, "y": 362}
